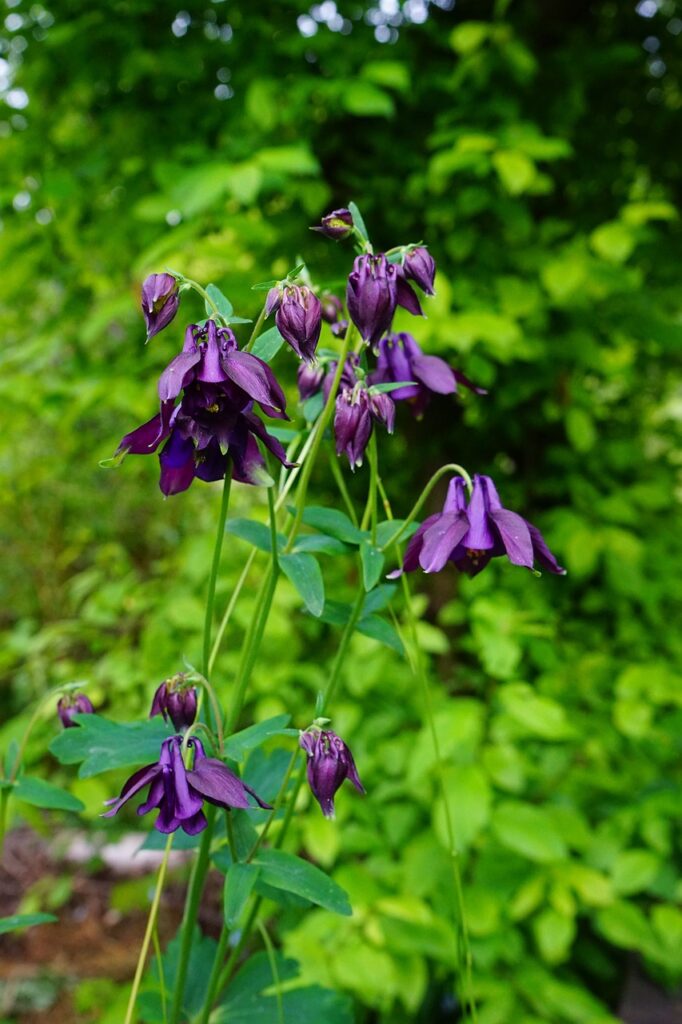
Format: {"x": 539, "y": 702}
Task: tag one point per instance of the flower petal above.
{"x": 254, "y": 377}
{"x": 137, "y": 781}
{"x": 441, "y": 539}
{"x": 434, "y": 373}
{"x": 543, "y": 555}
{"x": 217, "y": 784}
{"x": 515, "y": 536}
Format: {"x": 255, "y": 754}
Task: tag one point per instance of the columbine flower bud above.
{"x": 70, "y": 705}
{"x": 383, "y": 410}
{"x": 160, "y": 301}
{"x": 299, "y": 320}
{"x": 329, "y": 763}
{"x": 332, "y": 308}
{"x": 420, "y": 267}
{"x": 337, "y": 225}
{"x": 176, "y": 699}
{"x": 273, "y": 300}
{"x": 352, "y": 425}
{"x": 309, "y": 380}
{"x": 372, "y": 295}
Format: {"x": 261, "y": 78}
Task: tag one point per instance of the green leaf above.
{"x": 366, "y": 100}
{"x": 44, "y": 794}
{"x": 239, "y": 882}
{"x": 385, "y": 389}
{"x": 238, "y": 745}
{"x": 16, "y": 921}
{"x": 528, "y": 830}
{"x": 372, "y": 563}
{"x": 252, "y": 532}
{"x": 303, "y": 571}
{"x": 358, "y": 220}
{"x": 554, "y": 935}
{"x": 468, "y": 796}
{"x": 268, "y": 344}
{"x": 634, "y": 871}
{"x": 295, "y": 875}
{"x": 379, "y": 629}
{"x": 319, "y": 543}
{"x": 334, "y": 523}
{"x": 102, "y": 745}
{"x": 221, "y": 301}
{"x": 613, "y": 241}
{"x": 515, "y": 170}
{"x": 380, "y": 598}
{"x": 387, "y": 530}
{"x": 312, "y": 407}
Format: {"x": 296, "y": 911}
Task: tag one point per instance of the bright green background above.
{"x": 536, "y": 149}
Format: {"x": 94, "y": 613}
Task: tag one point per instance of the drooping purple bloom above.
{"x": 337, "y": 224}
{"x": 179, "y": 792}
{"x": 214, "y": 419}
{"x": 469, "y": 535}
{"x": 419, "y": 266}
{"x": 176, "y": 699}
{"x": 329, "y": 763}
{"x": 372, "y": 295}
{"x": 160, "y": 301}
{"x": 309, "y": 380}
{"x": 401, "y": 359}
{"x": 210, "y": 355}
{"x": 355, "y": 413}
{"x": 70, "y": 705}
{"x": 299, "y": 320}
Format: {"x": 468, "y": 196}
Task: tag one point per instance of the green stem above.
{"x": 204, "y": 294}
{"x": 151, "y": 925}
{"x": 318, "y": 434}
{"x": 275, "y": 807}
{"x": 370, "y": 513}
{"x": 256, "y": 330}
{"x": 273, "y": 967}
{"x": 215, "y": 566}
{"x": 214, "y": 979}
{"x": 234, "y": 597}
{"x": 194, "y": 893}
{"x": 451, "y": 467}
{"x": 162, "y": 979}
{"x": 337, "y": 473}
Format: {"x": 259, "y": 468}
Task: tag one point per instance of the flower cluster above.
{"x": 470, "y": 534}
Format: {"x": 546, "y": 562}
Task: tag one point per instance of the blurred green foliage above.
{"x": 536, "y": 150}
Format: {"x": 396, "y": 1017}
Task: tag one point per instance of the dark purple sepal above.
{"x": 177, "y": 464}
{"x": 299, "y": 320}
{"x": 337, "y": 225}
{"x": 420, "y": 267}
{"x": 371, "y": 295}
{"x": 160, "y": 302}
{"x": 329, "y": 763}
{"x": 68, "y": 706}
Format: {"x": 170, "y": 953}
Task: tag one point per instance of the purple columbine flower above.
{"x": 299, "y": 320}
{"x": 70, "y": 705}
{"x": 176, "y": 699}
{"x": 419, "y": 266}
{"x": 214, "y": 419}
{"x": 372, "y": 295}
{"x": 160, "y": 301}
{"x": 355, "y": 413}
{"x": 210, "y": 355}
{"x": 337, "y": 225}
{"x": 179, "y": 793}
{"x": 470, "y": 535}
{"x": 329, "y": 763}
{"x": 401, "y": 359}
